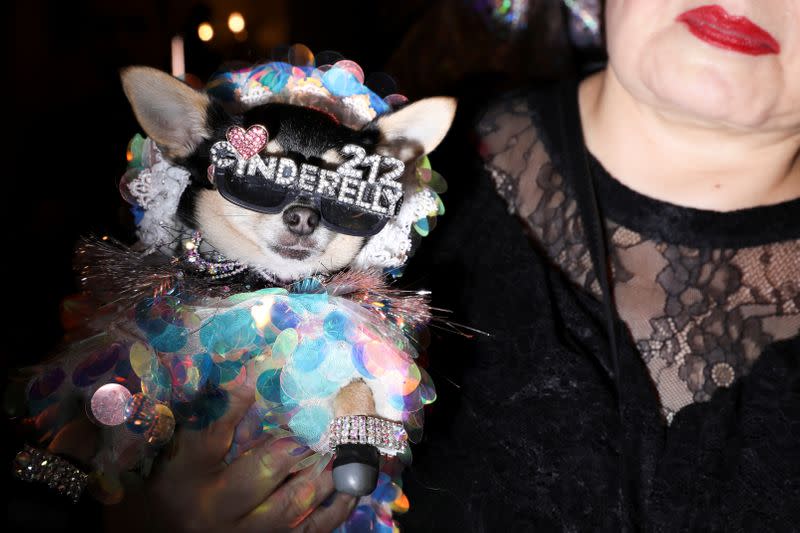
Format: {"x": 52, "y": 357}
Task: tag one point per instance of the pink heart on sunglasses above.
{"x": 248, "y": 143}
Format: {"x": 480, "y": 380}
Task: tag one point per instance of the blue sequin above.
{"x": 337, "y": 326}
{"x": 396, "y": 401}
{"x": 307, "y": 286}
{"x": 361, "y": 519}
{"x": 308, "y": 355}
{"x": 160, "y": 375}
{"x": 171, "y": 339}
{"x": 282, "y": 315}
{"x": 268, "y": 385}
{"x": 337, "y": 364}
{"x": 385, "y": 492}
{"x": 160, "y": 320}
{"x": 229, "y": 371}
{"x": 378, "y": 104}
{"x": 269, "y": 336}
{"x": 422, "y": 227}
{"x": 358, "y": 361}
{"x": 138, "y": 214}
{"x": 310, "y": 423}
{"x": 315, "y": 386}
{"x": 311, "y": 303}
{"x": 291, "y": 392}
{"x": 203, "y": 363}
{"x": 229, "y": 331}
{"x": 342, "y": 83}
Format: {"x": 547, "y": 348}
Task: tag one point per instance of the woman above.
{"x": 663, "y": 394}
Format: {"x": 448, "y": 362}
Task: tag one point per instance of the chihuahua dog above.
{"x": 284, "y": 236}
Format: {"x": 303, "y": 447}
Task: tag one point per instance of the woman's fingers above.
{"x": 288, "y": 506}
{"x": 325, "y": 518}
{"x": 206, "y": 447}
{"x": 77, "y": 439}
{"x": 244, "y": 484}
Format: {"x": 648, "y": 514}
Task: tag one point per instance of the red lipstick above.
{"x": 715, "y": 26}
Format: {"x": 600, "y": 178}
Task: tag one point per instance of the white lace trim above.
{"x": 158, "y": 189}
{"x": 390, "y": 247}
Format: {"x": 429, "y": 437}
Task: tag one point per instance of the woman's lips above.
{"x": 715, "y": 26}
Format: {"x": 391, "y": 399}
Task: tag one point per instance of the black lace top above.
{"x": 529, "y": 433}
{"x": 702, "y": 292}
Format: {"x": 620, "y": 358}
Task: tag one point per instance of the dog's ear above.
{"x": 418, "y": 127}
{"x": 170, "y": 112}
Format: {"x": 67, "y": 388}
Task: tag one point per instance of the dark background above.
{"x": 69, "y": 125}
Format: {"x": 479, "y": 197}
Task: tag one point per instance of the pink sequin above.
{"x": 248, "y": 143}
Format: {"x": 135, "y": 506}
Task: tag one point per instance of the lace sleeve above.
{"x": 511, "y": 148}
{"x": 516, "y": 157}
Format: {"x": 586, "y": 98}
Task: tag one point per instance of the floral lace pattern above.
{"x": 699, "y": 313}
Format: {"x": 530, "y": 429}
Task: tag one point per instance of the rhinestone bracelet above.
{"x": 31, "y": 464}
{"x": 388, "y": 436}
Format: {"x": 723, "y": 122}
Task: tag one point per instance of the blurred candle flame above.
{"x": 236, "y": 22}
{"x": 205, "y": 32}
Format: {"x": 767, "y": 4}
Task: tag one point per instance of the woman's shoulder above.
{"x": 519, "y": 138}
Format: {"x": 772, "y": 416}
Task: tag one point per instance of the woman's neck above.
{"x": 680, "y": 161}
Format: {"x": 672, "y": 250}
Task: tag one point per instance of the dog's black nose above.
{"x": 301, "y": 220}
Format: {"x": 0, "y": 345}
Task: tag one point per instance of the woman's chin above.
{"x": 720, "y": 94}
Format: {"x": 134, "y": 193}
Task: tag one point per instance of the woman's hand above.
{"x": 195, "y": 490}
